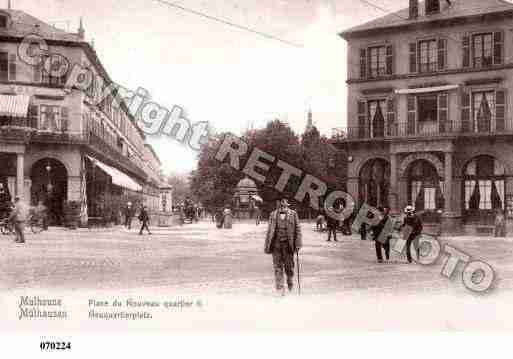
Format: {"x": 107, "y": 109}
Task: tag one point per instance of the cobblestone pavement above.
{"x": 199, "y": 258}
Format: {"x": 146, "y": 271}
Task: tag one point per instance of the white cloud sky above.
{"x": 220, "y": 74}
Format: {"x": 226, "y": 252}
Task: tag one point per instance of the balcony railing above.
{"x": 429, "y": 129}
{"x": 30, "y": 130}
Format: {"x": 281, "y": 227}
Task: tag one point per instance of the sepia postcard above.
{"x": 255, "y": 166}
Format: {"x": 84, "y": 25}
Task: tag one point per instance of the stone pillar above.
{"x": 451, "y": 220}
{"x": 20, "y": 175}
{"x": 393, "y": 199}
{"x": 352, "y": 189}
{"x": 74, "y": 187}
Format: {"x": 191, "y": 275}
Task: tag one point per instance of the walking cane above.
{"x": 298, "y": 281}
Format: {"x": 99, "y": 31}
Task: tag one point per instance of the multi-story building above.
{"x": 428, "y": 112}
{"x": 56, "y": 143}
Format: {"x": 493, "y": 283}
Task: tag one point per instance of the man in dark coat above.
{"x": 283, "y": 239}
{"x": 128, "y": 212}
{"x": 376, "y": 231}
{"x": 413, "y": 221}
{"x": 145, "y": 220}
{"x": 332, "y": 225}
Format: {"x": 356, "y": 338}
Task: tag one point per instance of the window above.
{"x": 377, "y": 109}
{"x": 377, "y": 59}
{"x": 7, "y": 66}
{"x": 50, "y": 118}
{"x": 428, "y": 56}
{"x": 484, "y": 185}
{"x": 432, "y": 6}
{"x": 427, "y": 114}
{"x": 426, "y": 187}
{"x": 483, "y": 111}
{"x": 482, "y": 46}
{"x": 3, "y": 21}
{"x": 44, "y": 77}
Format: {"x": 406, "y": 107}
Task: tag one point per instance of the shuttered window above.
{"x": 465, "y": 112}
{"x": 413, "y": 57}
{"x": 443, "y": 113}
{"x": 363, "y": 63}
{"x": 391, "y": 110}
{"x": 390, "y": 60}
{"x": 64, "y": 119}
{"x": 412, "y": 114}
{"x": 466, "y": 50}
{"x": 500, "y": 110}
{"x": 362, "y": 120}
{"x": 4, "y": 66}
{"x": 482, "y": 50}
{"x": 498, "y": 47}
{"x": 12, "y": 67}
{"x": 442, "y": 54}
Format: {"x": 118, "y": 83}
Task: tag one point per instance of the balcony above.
{"x": 425, "y": 129}
{"x": 29, "y": 130}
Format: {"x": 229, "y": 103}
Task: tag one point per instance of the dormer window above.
{"x": 432, "y": 7}
{"x": 3, "y": 21}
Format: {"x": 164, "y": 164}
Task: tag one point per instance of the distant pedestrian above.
{"x": 42, "y": 214}
{"x": 376, "y": 232}
{"x": 128, "y": 213}
{"x": 283, "y": 239}
{"x": 227, "y": 218}
{"x": 145, "y": 220}
{"x": 412, "y": 220}
{"x": 257, "y": 214}
{"x": 332, "y": 225}
{"x": 18, "y": 217}
{"x": 500, "y": 224}
{"x": 319, "y": 222}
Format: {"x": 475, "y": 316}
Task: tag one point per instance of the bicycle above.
{"x": 36, "y": 224}
{"x": 6, "y": 227}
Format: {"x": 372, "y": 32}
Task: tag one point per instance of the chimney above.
{"x": 81, "y": 31}
{"x": 9, "y": 5}
{"x": 414, "y": 9}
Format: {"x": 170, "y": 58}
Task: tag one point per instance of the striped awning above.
{"x": 14, "y": 105}
{"x": 118, "y": 178}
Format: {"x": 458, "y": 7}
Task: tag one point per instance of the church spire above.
{"x": 81, "y": 31}
{"x": 309, "y": 121}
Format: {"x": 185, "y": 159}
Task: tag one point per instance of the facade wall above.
{"x": 447, "y": 154}
{"x": 400, "y": 42}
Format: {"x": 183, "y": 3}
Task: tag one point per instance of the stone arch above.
{"x": 365, "y": 160}
{"x": 408, "y": 160}
{"x": 460, "y": 170}
{"x": 52, "y": 156}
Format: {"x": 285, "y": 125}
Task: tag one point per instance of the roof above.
{"x": 456, "y": 9}
{"x": 24, "y": 24}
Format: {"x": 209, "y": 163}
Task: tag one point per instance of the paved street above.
{"x": 200, "y": 258}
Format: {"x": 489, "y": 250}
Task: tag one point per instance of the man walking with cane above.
{"x": 282, "y": 241}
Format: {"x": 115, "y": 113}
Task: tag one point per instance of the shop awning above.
{"x": 426, "y": 89}
{"x": 14, "y": 105}
{"x": 118, "y": 178}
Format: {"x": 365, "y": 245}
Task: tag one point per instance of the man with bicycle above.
{"x": 18, "y": 217}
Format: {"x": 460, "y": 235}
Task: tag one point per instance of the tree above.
{"x": 213, "y": 183}
{"x": 181, "y": 187}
